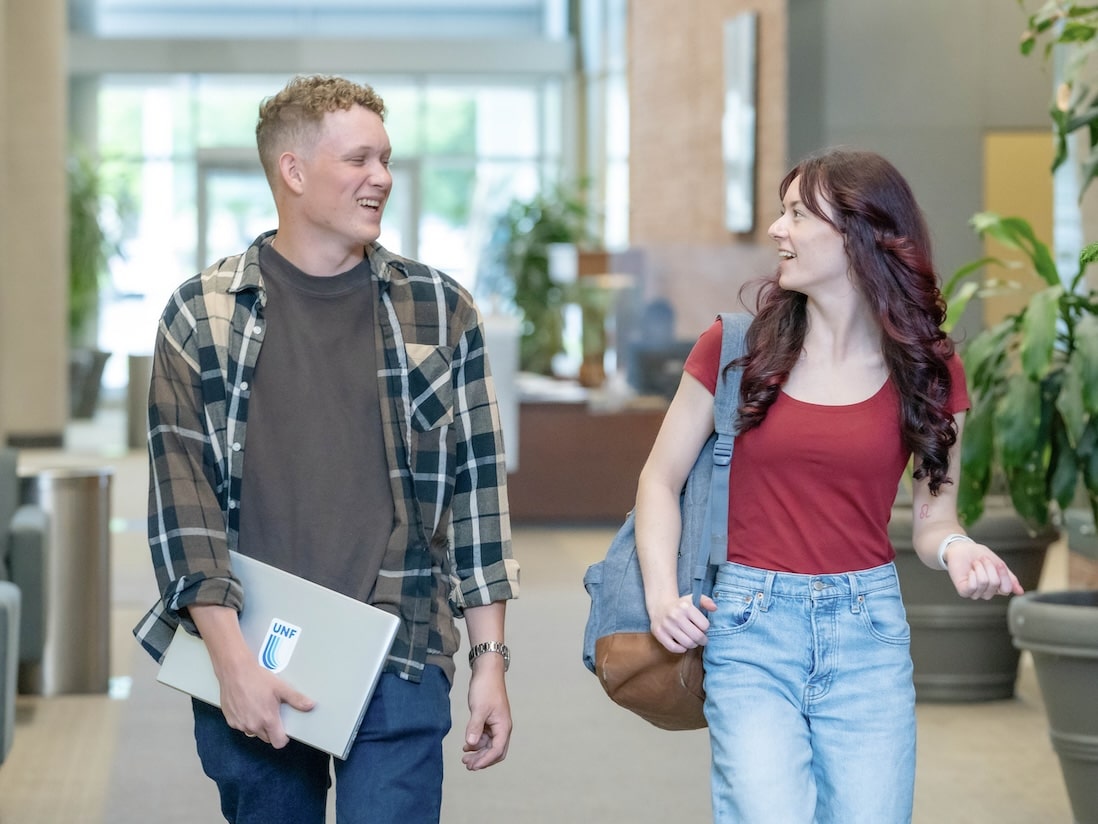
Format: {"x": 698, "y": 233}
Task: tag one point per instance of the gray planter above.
{"x": 961, "y": 649}
{"x": 85, "y": 377}
{"x": 1081, "y": 532}
{"x": 1060, "y": 630}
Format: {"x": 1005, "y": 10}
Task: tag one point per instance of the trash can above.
{"x": 137, "y": 401}
{"x": 76, "y": 655}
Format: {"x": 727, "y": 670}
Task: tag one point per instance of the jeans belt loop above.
{"x": 855, "y": 597}
{"x": 767, "y": 590}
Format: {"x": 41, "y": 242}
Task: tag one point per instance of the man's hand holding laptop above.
{"x": 251, "y": 696}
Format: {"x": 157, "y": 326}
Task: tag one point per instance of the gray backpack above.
{"x": 636, "y": 671}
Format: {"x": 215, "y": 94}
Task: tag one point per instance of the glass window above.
{"x": 616, "y": 205}
{"x": 448, "y": 123}
{"x": 604, "y": 45}
{"x": 402, "y": 121}
{"x": 226, "y": 110}
{"x": 178, "y": 153}
{"x": 447, "y": 191}
{"x": 508, "y": 123}
{"x": 322, "y": 18}
{"x": 120, "y": 118}
{"x": 235, "y": 207}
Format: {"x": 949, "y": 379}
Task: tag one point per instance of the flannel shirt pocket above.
{"x": 431, "y": 386}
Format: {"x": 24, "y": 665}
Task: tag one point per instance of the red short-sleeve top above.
{"x": 812, "y": 487}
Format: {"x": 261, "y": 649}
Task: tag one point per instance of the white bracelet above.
{"x": 944, "y": 545}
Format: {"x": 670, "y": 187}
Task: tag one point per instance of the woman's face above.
{"x": 810, "y": 250}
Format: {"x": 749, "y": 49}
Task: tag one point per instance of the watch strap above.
{"x": 491, "y": 646}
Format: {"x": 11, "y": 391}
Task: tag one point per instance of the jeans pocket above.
{"x": 737, "y": 608}
{"x": 884, "y": 616}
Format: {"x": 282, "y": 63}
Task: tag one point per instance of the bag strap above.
{"x": 725, "y": 405}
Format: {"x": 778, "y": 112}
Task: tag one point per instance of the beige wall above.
{"x": 921, "y": 83}
{"x": 33, "y": 282}
{"x": 676, "y": 100}
{"x": 4, "y": 300}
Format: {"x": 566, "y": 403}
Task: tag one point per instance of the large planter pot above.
{"x": 1060, "y": 630}
{"x": 1082, "y": 548}
{"x": 961, "y": 649}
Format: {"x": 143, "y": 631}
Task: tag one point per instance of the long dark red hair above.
{"x": 888, "y": 245}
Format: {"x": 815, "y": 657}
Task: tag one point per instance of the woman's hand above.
{"x": 978, "y": 573}
{"x": 679, "y": 625}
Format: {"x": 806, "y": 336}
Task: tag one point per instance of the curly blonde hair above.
{"x": 292, "y": 117}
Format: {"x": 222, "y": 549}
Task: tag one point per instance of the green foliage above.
{"x": 89, "y": 248}
{"x": 1075, "y": 107}
{"x": 92, "y": 243}
{"x": 558, "y": 216}
{"x": 1034, "y": 376}
{"x": 1034, "y": 382}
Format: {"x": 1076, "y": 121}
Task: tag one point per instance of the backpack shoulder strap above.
{"x": 733, "y": 345}
{"x": 725, "y": 405}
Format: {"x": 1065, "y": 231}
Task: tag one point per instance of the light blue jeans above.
{"x": 810, "y": 698}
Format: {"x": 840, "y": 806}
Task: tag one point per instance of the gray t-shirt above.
{"x": 316, "y": 499}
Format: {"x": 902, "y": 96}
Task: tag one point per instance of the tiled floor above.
{"x": 574, "y": 756}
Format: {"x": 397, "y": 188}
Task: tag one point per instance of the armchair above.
{"x": 23, "y": 535}
{"x": 9, "y": 663}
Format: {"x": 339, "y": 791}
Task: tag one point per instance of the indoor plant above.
{"x": 90, "y": 249}
{"x": 527, "y": 230}
{"x": 962, "y": 650}
{"x": 1034, "y": 379}
{"x": 1034, "y": 375}
{"x": 1032, "y": 432}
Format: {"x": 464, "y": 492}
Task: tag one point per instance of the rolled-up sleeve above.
{"x": 483, "y": 566}
{"x": 187, "y": 527}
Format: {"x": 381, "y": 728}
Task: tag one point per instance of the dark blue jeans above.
{"x": 393, "y": 774}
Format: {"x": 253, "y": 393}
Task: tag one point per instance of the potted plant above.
{"x": 1033, "y": 378}
{"x": 89, "y": 250}
{"x": 1034, "y": 381}
{"x": 527, "y": 231}
{"x": 962, "y": 650}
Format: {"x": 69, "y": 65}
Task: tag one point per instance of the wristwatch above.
{"x": 491, "y": 646}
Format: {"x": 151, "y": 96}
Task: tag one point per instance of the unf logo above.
{"x": 279, "y": 645}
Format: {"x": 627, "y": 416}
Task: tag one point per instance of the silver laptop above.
{"x": 323, "y": 643}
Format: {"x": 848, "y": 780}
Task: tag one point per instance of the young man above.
{"x": 357, "y": 385}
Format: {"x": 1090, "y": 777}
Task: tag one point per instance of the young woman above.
{"x": 810, "y": 700}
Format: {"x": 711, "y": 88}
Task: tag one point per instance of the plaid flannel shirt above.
{"x": 450, "y": 547}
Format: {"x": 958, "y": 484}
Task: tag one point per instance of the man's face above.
{"x": 346, "y": 177}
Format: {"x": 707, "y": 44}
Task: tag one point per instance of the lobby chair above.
{"x": 9, "y": 663}
{"x": 23, "y": 534}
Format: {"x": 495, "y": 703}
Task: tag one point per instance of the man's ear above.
{"x": 291, "y": 172}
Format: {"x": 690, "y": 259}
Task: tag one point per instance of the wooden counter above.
{"x": 578, "y": 465}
